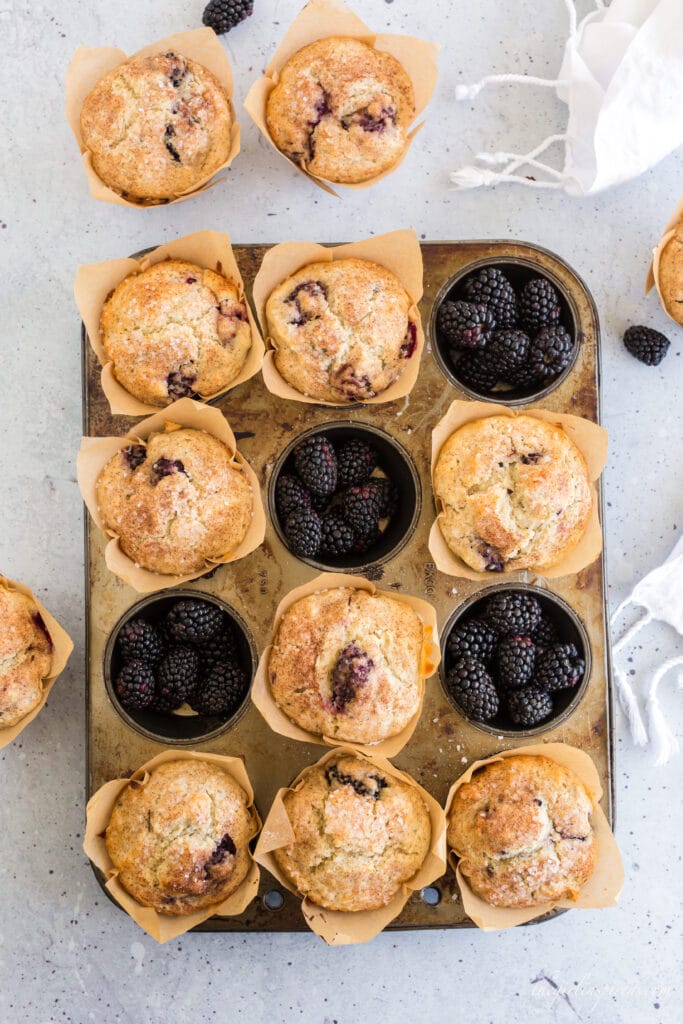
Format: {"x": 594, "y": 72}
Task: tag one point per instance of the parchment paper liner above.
{"x": 276, "y": 718}
{"x": 602, "y": 889}
{"x": 320, "y": 19}
{"x": 397, "y": 251}
{"x": 62, "y": 646}
{"x": 91, "y": 63}
{"x": 95, "y": 452}
{"x": 589, "y": 438}
{"x": 95, "y": 281}
{"x": 653, "y": 273}
{"x": 341, "y": 928}
{"x": 98, "y": 812}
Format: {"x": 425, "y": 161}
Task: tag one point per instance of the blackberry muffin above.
{"x": 514, "y": 491}
{"x": 176, "y": 502}
{"x": 522, "y": 830}
{"x": 341, "y": 330}
{"x": 173, "y": 330}
{"x": 358, "y": 835}
{"x": 156, "y": 126}
{"x": 347, "y": 664}
{"x": 181, "y": 841}
{"x": 25, "y": 656}
{"x": 670, "y": 275}
{"x": 341, "y": 110}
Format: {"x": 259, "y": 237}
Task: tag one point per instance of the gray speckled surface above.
{"x": 65, "y": 953}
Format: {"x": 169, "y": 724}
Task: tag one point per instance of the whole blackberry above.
{"x": 529, "y": 706}
{"x": 222, "y": 15}
{"x": 177, "y": 674}
{"x": 546, "y": 633}
{"x": 507, "y": 351}
{"x": 472, "y": 688}
{"x": 472, "y": 639}
{"x": 138, "y": 640}
{"x": 290, "y": 494}
{"x": 337, "y": 537}
{"x": 465, "y": 324}
{"x": 647, "y": 345}
{"x": 559, "y": 667}
{"x": 522, "y": 376}
{"x": 134, "y": 685}
{"x": 366, "y": 541}
{"x": 222, "y": 647}
{"x": 356, "y": 460}
{"x": 193, "y": 621}
{"x": 550, "y": 352}
{"x": 473, "y": 372}
{"x": 515, "y": 659}
{"x": 316, "y": 464}
{"x": 539, "y": 305}
{"x": 222, "y": 690}
{"x": 513, "y": 613}
{"x": 361, "y": 507}
{"x": 388, "y": 496}
{"x": 490, "y": 287}
{"x": 303, "y": 530}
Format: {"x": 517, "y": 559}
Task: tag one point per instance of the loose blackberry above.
{"x": 513, "y": 613}
{"x": 529, "y": 706}
{"x": 222, "y": 647}
{"x": 507, "y": 351}
{"x": 134, "y": 685}
{"x": 550, "y": 352}
{"x": 337, "y": 537}
{"x": 546, "y": 633}
{"x": 356, "y": 460}
{"x": 465, "y": 324}
{"x": 361, "y": 507}
{"x": 221, "y": 691}
{"x": 316, "y": 464}
{"x": 539, "y": 305}
{"x": 290, "y": 494}
{"x": 646, "y": 344}
{"x": 490, "y": 287}
{"x": 472, "y": 639}
{"x": 472, "y": 688}
{"x": 559, "y": 667}
{"x": 138, "y": 640}
{"x": 303, "y": 530}
{"x": 193, "y": 621}
{"x": 177, "y": 674}
{"x": 473, "y": 372}
{"x": 515, "y": 659}
{"x": 222, "y": 15}
{"x": 388, "y": 496}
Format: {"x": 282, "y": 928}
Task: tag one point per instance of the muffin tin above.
{"x": 444, "y": 743}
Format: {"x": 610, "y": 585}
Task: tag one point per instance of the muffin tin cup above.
{"x": 602, "y": 889}
{"x": 173, "y": 729}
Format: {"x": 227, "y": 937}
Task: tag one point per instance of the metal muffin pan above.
{"x": 443, "y": 743}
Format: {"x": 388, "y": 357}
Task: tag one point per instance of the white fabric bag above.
{"x": 622, "y": 80}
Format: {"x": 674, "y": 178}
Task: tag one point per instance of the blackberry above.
{"x": 513, "y": 613}
{"x": 361, "y": 507}
{"x": 490, "y": 287}
{"x": 138, "y": 640}
{"x": 647, "y": 345}
{"x": 529, "y": 706}
{"x": 134, "y": 455}
{"x": 134, "y": 685}
{"x": 515, "y": 659}
{"x": 366, "y": 541}
{"x": 194, "y": 621}
{"x": 472, "y": 639}
{"x": 559, "y": 667}
{"x": 177, "y": 675}
{"x": 546, "y": 633}
{"x": 359, "y": 786}
{"x": 472, "y": 688}
{"x": 388, "y": 496}
{"x": 337, "y": 537}
{"x": 356, "y": 460}
{"x": 316, "y": 464}
{"x": 522, "y": 376}
{"x": 507, "y": 352}
{"x": 303, "y": 530}
{"x": 539, "y": 305}
{"x": 222, "y": 647}
{"x": 474, "y": 373}
{"x": 290, "y": 494}
{"x": 222, "y": 690}
{"x": 465, "y": 324}
{"x": 550, "y": 352}
{"x": 350, "y": 674}
{"x": 222, "y": 15}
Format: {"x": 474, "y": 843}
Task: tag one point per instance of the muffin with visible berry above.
{"x": 25, "y": 656}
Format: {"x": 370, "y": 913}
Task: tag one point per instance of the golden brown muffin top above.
{"x": 671, "y": 275}
{"x": 25, "y": 656}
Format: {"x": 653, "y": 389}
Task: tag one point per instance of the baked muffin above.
{"x": 358, "y": 835}
{"x": 156, "y": 126}
{"x": 515, "y": 493}
{"x": 176, "y": 502}
{"x": 174, "y": 330}
{"x": 347, "y": 664}
{"x": 341, "y": 330}
{"x": 181, "y": 842}
{"x": 25, "y": 656}
{"x": 671, "y": 275}
{"x": 523, "y": 833}
{"x": 341, "y": 110}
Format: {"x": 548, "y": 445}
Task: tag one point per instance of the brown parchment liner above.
{"x": 95, "y": 282}
{"x": 321, "y": 19}
{"x": 397, "y": 251}
{"x": 98, "y": 813}
{"x": 670, "y": 232}
{"x": 602, "y": 889}
{"x": 91, "y": 63}
{"x": 62, "y": 646}
{"x": 95, "y": 452}
{"x": 261, "y": 694}
{"x": 337, "y": 927}
{"x": 589, "y": 438}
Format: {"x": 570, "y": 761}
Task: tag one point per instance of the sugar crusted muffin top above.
{"x": 341, "y": 330}
{"x": 176, "y": 502}
{"x": 341, "y": 110}
{"x": 523, "y": 832}
{"x": 180, "y": 842}
{"x": 358, "y": 835}
{"x": 155, "y": 126}
{"x": 671, "y": 275}
{"x": 25, "y": 656}
{"x": 175, "y": 329}
{"x": 515, "y": 493}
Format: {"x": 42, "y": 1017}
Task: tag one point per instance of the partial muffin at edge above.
{"x": 671, "y": 275}
{"x": 25, "y": 656}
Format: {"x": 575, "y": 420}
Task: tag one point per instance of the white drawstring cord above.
{"x": 468, "y": 92}
{"x": 665, "y": 743}
{"x": 474, "y": 177}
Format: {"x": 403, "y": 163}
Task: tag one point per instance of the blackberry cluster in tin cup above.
{"x": 496, "y": 337}
{"x": 506, "y": 661}
{"x": 189, "y": 657}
